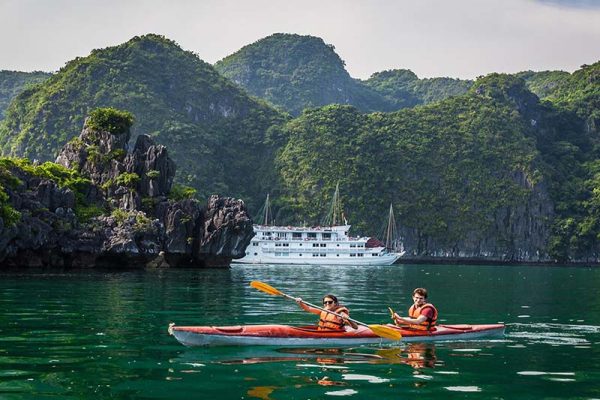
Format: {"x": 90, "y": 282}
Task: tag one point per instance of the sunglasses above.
{"x": 328, "y": 302}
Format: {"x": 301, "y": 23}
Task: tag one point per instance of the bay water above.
{"x": 103, "y": 334}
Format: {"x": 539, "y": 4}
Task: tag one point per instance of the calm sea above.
{"x": 90, "y": 334}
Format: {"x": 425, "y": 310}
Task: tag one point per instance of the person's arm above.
{"x": 408, "y": 320}
{"x": 345, "y": 317}
{"x": 306, "y": 307}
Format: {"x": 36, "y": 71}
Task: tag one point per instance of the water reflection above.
{"x": 415, "y": 355}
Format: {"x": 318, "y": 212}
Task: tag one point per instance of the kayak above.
{"x": 286, "y": 335}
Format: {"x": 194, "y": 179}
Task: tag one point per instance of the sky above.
{"x": 455, "y": 38}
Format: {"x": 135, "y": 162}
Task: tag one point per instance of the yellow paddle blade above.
{"x": 263, "y": 287}
{"x": 386, "y": 332}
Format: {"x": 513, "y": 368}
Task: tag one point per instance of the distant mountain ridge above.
{"x": 296, "y": 72}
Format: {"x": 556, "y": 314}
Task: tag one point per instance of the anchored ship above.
{"x": 324, "y": 245}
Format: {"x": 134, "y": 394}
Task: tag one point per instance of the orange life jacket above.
{"x": 415, "y": 312}
{"x": 330, "y": 322}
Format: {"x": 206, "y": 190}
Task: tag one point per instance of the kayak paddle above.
{"x": 379, "y": 330}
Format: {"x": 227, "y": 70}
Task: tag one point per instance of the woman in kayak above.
{"x": 327, "y": 320}
{"x": 421, "y": 315}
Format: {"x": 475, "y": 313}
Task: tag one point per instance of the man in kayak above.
{"x": 329, "y": 321}
{"x": 421, "y": 315}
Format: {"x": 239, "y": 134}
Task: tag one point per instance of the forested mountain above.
{"x": 295, "y": 72}
{"x": 13, "y": 82}
{"x": 212, "y": 128}
{"x": 459, "y": 172}
{"x": 403, "y": 88}
{"x": 473, "y": 169}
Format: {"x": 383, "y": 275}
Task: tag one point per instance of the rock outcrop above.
{"x": 138, "y": 225}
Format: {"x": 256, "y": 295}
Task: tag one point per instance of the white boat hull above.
{"x": 387, "y": 259}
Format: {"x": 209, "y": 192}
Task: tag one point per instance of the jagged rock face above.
{"x": 182, "y": 233}
{"x": 152, "y": 164}
{"x": 96, "y": 154}
{"x": 516, "y": 234}
{"x": 226, "y": 227}
{"x": 102, "y": 156}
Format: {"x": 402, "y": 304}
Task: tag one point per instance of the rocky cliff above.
{"x": 100, "y": 205}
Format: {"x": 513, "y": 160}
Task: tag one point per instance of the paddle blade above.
{"x": 263, "y": 287}
{"x": 386, "y": 332}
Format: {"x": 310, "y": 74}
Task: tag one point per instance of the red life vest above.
{"x": 330, "y": 322}
{"x": 415, "y": 312}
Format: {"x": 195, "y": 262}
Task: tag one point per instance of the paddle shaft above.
{"x": 327, "y": 311}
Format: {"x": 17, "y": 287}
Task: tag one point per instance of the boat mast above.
{"x": 265, "y": 213}
{"x": 336, "y": 214}
{"x": 391, "y": 233}
{"x": 267, "y": 210}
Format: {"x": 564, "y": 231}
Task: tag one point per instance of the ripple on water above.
{"x": 463, "y": 388}
{"x": 344, "y": 392}
{"x": 368, "y": 378}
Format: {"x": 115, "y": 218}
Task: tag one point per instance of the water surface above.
{"x": 104, "y": 335}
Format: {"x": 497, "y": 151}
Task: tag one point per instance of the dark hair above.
{"x": 332, "y": 297}
{"x": 421, "y": 291}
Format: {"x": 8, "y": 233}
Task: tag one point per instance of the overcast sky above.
{"x": 456, "y": 38}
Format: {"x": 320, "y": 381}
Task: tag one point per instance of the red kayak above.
{"x": 285, "y": 335}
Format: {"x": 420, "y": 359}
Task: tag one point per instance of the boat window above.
{"x": 255, "y": 254}
{"x": 311, "y": 235}
{"x": 255, "y": 244}
{"x": 296, "y": 235}
{"x": 326, "y": 236}
{"x": 360, "y": 254}
{"x": 352, "y": 254}
{"x": 315, "y": 244}
{"x": 323, "y": 244}
{"x": 323, "y": 255}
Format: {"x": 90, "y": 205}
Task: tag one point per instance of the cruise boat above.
{"x": 324, "y": 245}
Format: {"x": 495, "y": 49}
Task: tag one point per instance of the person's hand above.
{"x": 298, "y": 300}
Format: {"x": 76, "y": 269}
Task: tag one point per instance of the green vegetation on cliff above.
{"x": 446, "y": 167}
{"x": 214, "y": 131}
{"x": 13, "y": 82}
{"x": 403, "y": 88}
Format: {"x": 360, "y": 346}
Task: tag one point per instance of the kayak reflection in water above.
{"x": 327, "y": 320}
{"x": 417, "y": 355}
{"x": 421, "y": 315}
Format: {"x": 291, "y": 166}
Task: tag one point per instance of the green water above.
{"x": 104, "y": 335}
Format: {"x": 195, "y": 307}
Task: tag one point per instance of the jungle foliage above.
{"x": 447, "y": 158}
{"x": 184, "y": 103}
{"x": 13, "y": 82}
